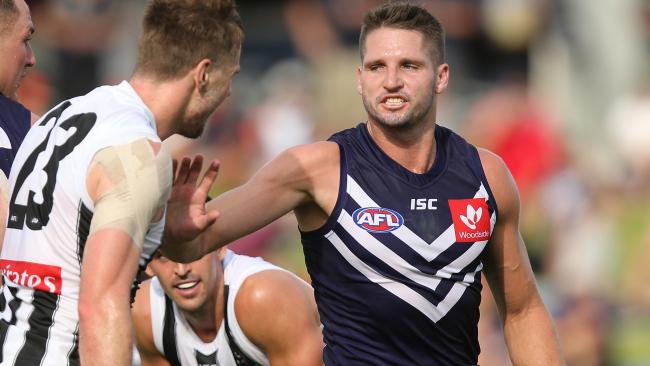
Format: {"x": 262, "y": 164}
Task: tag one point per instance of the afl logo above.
{"x": 377, "y": 219}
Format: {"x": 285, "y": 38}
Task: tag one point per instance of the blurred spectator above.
{"x": 628, "y": 126}
{"x": 318, "y": 40}
{"x": 287, "y": 106}
{"x": 509, "y": 122}
{"x": 76, "y": 33}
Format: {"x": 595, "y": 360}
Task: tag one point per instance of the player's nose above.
{"x": 30, "y": 59}
{"x": 182, "y": 269}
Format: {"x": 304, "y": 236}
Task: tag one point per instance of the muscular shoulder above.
{"x": 271, "y": 301}
{"x": 129, "y": 185}
{"x": 270, "y": 287}
{"x": 304, "y": 168}
{"x": 311, "y": 158}
{"x": 317, "y": 151}
{"x": 501, "y": 182}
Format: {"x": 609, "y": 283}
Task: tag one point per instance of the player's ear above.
{"x": 201, "y": 73}
{"x": 148, "y": 271}
{"x": 221, "y": 252}
{"x": 359, "y": 88}
{"x": 442, "y": 78}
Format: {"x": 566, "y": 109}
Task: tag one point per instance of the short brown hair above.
{"x": 177, "y": 34}
{"x": 8, "y": 14}
{"x": 404, "y": 15}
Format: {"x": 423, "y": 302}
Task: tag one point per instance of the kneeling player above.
{"x": 226, "y": 309}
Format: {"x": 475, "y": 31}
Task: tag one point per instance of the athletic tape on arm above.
{"x": 140, "y": 185}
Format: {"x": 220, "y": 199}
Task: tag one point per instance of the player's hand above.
{"x": 187, "y": 215}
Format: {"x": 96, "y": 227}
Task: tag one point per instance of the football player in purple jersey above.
{"x": 399, "y": 218}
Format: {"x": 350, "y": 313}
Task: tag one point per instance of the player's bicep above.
{"x": 507, "y": 269}
{"x": 276, "y": 189}
{"x": 129, "y": 185}
{"x": 284, "y": 181}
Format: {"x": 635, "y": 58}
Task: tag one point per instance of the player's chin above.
{"x": 394, "y": 121}
{"x": 190, "y": 299}
{"x": 189, "y": 304}
{"x": 194, "y": 130}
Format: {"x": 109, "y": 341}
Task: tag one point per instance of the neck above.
{"x": 206, "y": 320}
{"x": 413, "y": 148}
{"x": 167, "y": 100}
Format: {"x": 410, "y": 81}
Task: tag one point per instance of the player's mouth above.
{"x": 187, "y": 288}
{"x": 394, "y": 102}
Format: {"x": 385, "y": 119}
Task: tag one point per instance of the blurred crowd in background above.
{"x": 559, "y": 88}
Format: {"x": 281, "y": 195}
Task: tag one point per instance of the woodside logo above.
{"x": 471, "y": 219}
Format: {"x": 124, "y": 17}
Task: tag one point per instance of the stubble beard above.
{"x": 194, "y": 125}
{"x": 401, "y": 120}
{"x": 193, "y": 130}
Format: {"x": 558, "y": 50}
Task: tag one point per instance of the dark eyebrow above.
{"x": 412, "y": 61}
{"x": 30, "y": 28}
{"x": 372, "y": 62}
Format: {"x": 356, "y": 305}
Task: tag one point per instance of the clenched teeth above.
{"x": 394, "y": 101}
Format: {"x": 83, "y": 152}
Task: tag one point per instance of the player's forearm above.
{"x": 241, "y": 211}
{"x": 531, "y": 337}
{"x": 105, "y": 332}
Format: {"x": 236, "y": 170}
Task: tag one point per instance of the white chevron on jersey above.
{"x": 428, "y": 251}
{"x": 382, "y": 252}
{"x": 433, "y": 312}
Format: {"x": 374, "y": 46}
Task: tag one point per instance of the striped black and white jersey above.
{"x": 49, "y": 219}
{"x": 175, "y": 339}
{"x": 396, "y": 269}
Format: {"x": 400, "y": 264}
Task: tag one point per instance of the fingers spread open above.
{"x": 183, "y": 171}
{"x": 209, "y": 177}
{"x": 195, "y": 169}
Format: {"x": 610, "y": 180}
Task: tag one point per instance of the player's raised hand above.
{"x": 187, "y": 215}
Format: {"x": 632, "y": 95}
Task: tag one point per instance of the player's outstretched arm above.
{"x": 284, "y": 184}
{"x": 277, "y": 312}
{"x": 529, "y": 330}
{"x": 141, "y": 311}
{"x": 129, "y": 186}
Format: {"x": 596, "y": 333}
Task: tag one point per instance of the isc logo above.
{"x": 377, "y": 219}
{"x": 423, "y": 204}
